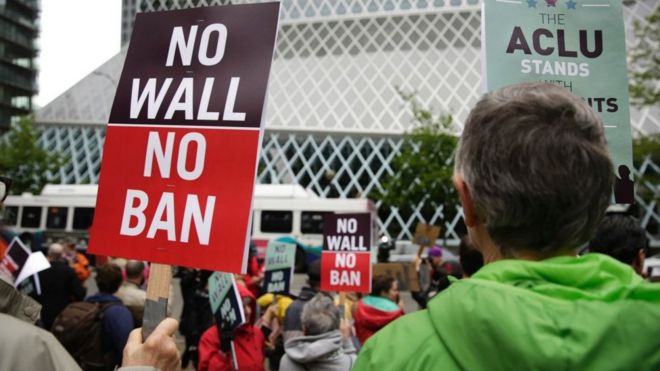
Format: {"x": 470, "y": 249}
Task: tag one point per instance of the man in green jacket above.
{"x": 534, "y": 178}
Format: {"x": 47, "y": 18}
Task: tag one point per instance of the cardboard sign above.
{"x": 404, "y": 273}
{"x": 280, "y": 259}
{"x": 346, "y": 255}
{"x": 425, "y": 234}
{"x": 225, "y": 301}
{"x": 576, "y": 44}
{"x": 20, "y": 263}
{"x": 181, "y": 148}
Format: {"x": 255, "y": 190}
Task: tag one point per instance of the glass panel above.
{"x": 312, "y": 221}
{"x": 56, "y": 218}
{"x": 10, "y": 215}
{"x": 31, "y": 217}
{"x": 83, "y": 217}
{"x": 276, "y": 221}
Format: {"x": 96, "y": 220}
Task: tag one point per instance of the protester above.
{"x": 534, "y": 178}
{"x": 24, "y": 346}
{"x": 375, "y": 311}
{"x": 470, "y": 257}
{"x": 248, "y": 342}
{"x": 59, "y": 286}
{"x": 196, "y": 315}
{"x": 436, "y": 275}
{"x": 292, "y": 324}
{"x": 323, "y": 346}
{"x": 623, "y": 238}
{"x": 131, "y": 292}
{"x": 274, "y": 341}
{"x": 77, "y": 261}
{"x": 117, "y": 320}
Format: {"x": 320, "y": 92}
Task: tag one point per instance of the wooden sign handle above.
{"x": 158, "y": 291}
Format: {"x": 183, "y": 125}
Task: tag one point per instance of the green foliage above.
{"x": 645, "y": 62}
{"x": 22, "y": 160}
{"x": 648, "y": 182}
{"x": 422, "y": 170}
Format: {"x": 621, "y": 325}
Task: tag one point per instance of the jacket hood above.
{"x": 564, "y": 312}
{"x": 244, "y": 292}
{"x": 306, "y": 349}
{"x": 375, "y": 318}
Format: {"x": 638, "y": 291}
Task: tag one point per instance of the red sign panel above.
{"x": 346, "y": 256}
{"x": 181, "y": 148}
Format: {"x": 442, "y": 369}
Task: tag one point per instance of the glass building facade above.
{"x": 18, "y": 52}
{"x": 335, "y": 120}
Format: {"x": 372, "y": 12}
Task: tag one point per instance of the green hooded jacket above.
{"x": 564, "y": 313}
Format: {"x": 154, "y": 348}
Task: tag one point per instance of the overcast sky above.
{"x": 76, "y": 36}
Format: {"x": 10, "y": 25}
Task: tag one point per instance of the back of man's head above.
{"x": 55, "y": 251}
{"x": 314, "y": 274}
{"x": 134, "y": 269}
{"x": 535, "y": 161}
{"x": 621, "y": 237}
{"x": 319, "y": 315}
{"x": 108, "y": 278}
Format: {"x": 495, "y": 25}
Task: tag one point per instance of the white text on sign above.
{"x": 153, "y": 95}
{"x": 134, "y": 220}
{"x": 346, "y": 242}
{"x": 345, "y": 277}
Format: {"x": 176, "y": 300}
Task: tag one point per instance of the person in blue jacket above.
{"x": 117, "y": 319}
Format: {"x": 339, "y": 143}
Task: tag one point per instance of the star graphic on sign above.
{"x": 552, "y": 3}
{"x": 531, "y": 3}
{"x": 570, "y": 4}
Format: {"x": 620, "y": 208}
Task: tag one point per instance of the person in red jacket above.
{"x": 248, "y": 342}
{"x": 376, "y": 310}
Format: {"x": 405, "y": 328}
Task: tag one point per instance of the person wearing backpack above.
{"x": 117, "y": 319}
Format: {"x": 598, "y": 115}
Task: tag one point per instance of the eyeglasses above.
{"x": 5, "y": 184}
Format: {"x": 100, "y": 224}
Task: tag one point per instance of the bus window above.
{"x": 312, "y": 221}
{"x": 31, "y": 217}
{"x": 56, "y": 218}
{"x": 83, "y": 217}
{"x": 10, "y": 215}
{"x": 276, "y": 221}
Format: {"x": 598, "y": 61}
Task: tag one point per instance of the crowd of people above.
{"x": 544, "y": 280}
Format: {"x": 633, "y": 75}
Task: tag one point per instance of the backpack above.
{"x": 79, "y": 327}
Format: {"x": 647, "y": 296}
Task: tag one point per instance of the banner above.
{"x": 280, "y": 259}
{"x": 19, "y": 263}
{"x": 226, "y": 302}
{"x": 575, "y": 44}
{"x": 183, "y": 139}
{"x": 346, "y": 255}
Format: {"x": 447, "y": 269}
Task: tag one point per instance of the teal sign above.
{"x": 576, "y": 44}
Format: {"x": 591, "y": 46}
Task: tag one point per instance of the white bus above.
{"x": 278, "y": 210}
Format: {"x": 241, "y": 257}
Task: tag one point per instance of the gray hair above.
{"x": 535, "y": 161}
{"x": 55, "y": 251}
{"x": 320, "y": 315}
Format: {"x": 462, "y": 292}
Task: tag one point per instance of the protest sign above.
{"x": 20, "y": 263}
{"x": 346, "y": 255}
{"x": 183, "y": 137}
{"x": 280, "y": 258}
{"x": 425, "y": 234}
{"x": 225, "y": 301}
{"x": 576, "y": 44}
{"x": 404, "y": 273}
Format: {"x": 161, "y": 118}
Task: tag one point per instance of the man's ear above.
{"x": 469, "y": 212}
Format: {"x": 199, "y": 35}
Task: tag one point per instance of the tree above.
{"x": 27, "y": 164}
{"x": 423, "y": 169}
{"x": 645, "y": 62}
